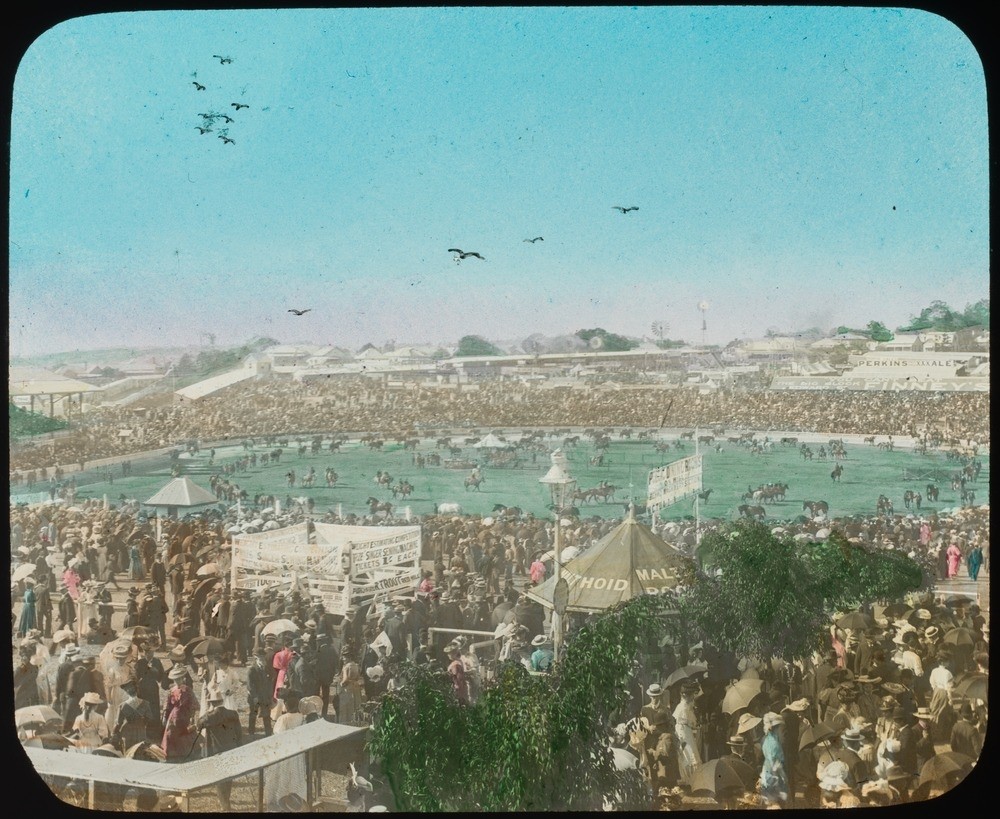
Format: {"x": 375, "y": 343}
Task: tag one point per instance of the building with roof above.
{"x": 31, "y": 386}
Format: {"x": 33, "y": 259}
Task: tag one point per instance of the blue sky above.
{"x": 793, "y": 166}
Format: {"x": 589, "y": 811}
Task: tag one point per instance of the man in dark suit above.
{"x": 223, "y": 732}
{"x": 326, "y": 667}
{"x": 905, "y": 733}
{"x": 260, "y": 691}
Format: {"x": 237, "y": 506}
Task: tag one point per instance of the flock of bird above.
{"x": 211, "y": 119}
{"x": 466, "y": 254}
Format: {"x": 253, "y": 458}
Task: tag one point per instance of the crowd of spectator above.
{"x": 273, "y": 408}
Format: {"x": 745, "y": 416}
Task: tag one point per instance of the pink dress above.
{"x": 281, "y": 662}
{"x": 925, "y": 534}
{"x": 537, "y": 572}
{"x": 72, "y": 581}
{"x": 954, "y": 555}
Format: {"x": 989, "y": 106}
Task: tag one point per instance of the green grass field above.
{"x": 868, "y": 472}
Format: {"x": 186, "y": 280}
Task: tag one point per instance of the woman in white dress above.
{"x": 686, "y": 721}
{"x": 285, "y": 781}
{"x": 90, "y": 728}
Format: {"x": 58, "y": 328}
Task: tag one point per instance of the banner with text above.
{"x": 672, "y": 483}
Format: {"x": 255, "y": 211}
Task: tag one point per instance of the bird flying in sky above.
{"x": 198, "y": 86}
{"x": 238, "y": 105}
{"x": 624, "y": 210}
{"x": 461, "y": 254}
{"x": 300, "y": 312}
{"x": 223, "y": 60}
{"x": 536, "y": 239}
{"x": 203, "y": 130}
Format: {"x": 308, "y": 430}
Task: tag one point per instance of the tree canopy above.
{"x": 942, "y": 318}
{"x": 875, "y": 330}
{"x": 476, "y": 345}
{"x": 608, "y": 342}
{"x": 769, "y": 596}
{"x": 529, "y": 743}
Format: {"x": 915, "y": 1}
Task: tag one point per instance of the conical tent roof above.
{"x": 628, "y": 561}
{"x": 490, "y": 442}
{"x": 182, "y": 492}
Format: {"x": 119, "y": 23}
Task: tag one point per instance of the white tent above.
{"x": 490, "y": 442}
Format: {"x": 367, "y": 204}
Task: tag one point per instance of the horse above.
{"x": 573, "y": 440}
{"x": 662, "y": 446}
{"x": 375, "y": 506}
{"x": 838, "y": 470}
{"x": 751, "y": 511}
{"x": 331, "y": 476}
{"x": 816, "y": 507}
{"x": 687, "y": 436}
{"x": 474, "y": 483}
{"x": 932, "y": 492}
{"x": 290, "y": 477}
{"x": 807, "y": 453}
{"x": 447, "y": 509}
{"x": 411, "y": 444}
{"x": 403, "y": 488}
{"x": 908, "y": 497}
{"x": 442, "y": 442}
{"x": 598, "y": 460}
{"x": 704, "y": 495}
{"x": 706, "y": 439}
{"x": 507, "y": 511}
{"x": 870, "y": 440}
{"x": 789, "y": 441}
{"x": 968, "y": 497}
{"x": 604, "y": 492}
{"x": 455, "y": 451}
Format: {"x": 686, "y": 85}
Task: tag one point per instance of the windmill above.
{"x": 659, "y": 328}
{"x": 703, "y": 306}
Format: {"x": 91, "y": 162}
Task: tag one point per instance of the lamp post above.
{"x": 561, "y": 486}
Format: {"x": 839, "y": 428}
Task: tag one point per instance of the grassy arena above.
{"x": 867, "y": 473}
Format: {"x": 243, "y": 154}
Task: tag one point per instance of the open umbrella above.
{"x": 959, "y": 637}
{"x": 22, "y": 571}
{"x": 135, "y": 633}
{"x": 279, "y": 627}
{"x": 740, "y": 694}
{"x": 207, "y": 570}
{"x": 206, "y": 646}
{"x": 855, "y": 621}
{"x": 624, "y": 760}
{"x": 725, "y": 773}
{"x": 896, "y": 609}
{"x": 972, "y": 685}
{"x": 688, "y": 671}
{"x": 51, "y": 742}
{"x": 820, "y": 732}
{"x": 36, "y": 716}
{"x": 944, "y": 770}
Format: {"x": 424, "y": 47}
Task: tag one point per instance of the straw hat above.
{"x": 747, "y": 722}
{"x": 798, "y": 705}
{"x": 772, "y": 719}
{"x": 834, "y": 778}
{"x": 654, "y": 690}
{"x": 90, "y": 698}
{"x": 539, "y": 640}
{"x": 178, "y": 672}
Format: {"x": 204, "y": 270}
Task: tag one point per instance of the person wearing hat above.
{"x": 966, "y": 736}
{"x": 136, "y": 722}
{"x": 867, "y": 701}
{"x": 260, "y": 692}
{"x": 905, "y": 734}
{"x": 350, "y": 698}
{"x": 179, "y": 712}
{"x": 773, "y": 783}
{"x": 456, "y": 671}
{"x": 223, "y": 732}
{"x": 66, "y": 665}
{"x": 796, "y": 721}
{"x": 120, "y": 668}
{"x": 27, "y": 620}
{"x": 287, "y": 777}
{"x": 90, "y": 728}
{"x": 852, "y": 740}
{"x": 685, "y": 728}
{"x": 543, "y": 656}
{"x": 835, "y": 787}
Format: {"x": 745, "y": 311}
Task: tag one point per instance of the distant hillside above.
{"x": 104, "y": 357}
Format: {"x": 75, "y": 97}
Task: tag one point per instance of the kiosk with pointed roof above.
{"x": 181, "y": 493}
{"x": 628, "y": 561}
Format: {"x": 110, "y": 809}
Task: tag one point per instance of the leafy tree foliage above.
{"x": 875, "y": 330}
{"x": 609, "y": 342}
{"x": 476, "y": 345}
{"x": 772, "y": 597}
{"x": 940, "y": 317}
{"x": 530, "y": 743}
{"x": 23, "y": 423}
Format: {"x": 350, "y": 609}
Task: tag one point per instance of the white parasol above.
{"x": 22, "y": 571}
{"x": 278, "y": 627}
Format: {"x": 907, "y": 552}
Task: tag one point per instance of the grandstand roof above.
{"x": 200, "y": 389}
{"x": 36, "y": 381}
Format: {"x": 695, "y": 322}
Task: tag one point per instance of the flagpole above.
{"x": 697, "y": 505}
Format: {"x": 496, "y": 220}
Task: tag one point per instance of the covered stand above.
{"x": 629, "y": 561}
{"x": 181, "y": 493}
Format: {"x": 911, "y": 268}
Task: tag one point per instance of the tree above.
{"x": 941, "y": 317}
{"x": 608, "y": 342}
{"x": 530, "y": 743}
{"x": 476, "y": 345}
{"x": 767, "y": 596}
{"x": 877, "y": 331}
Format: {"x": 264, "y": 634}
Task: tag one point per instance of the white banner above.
{"x": 673, "y": 482}
{"x": 371, "y": 547}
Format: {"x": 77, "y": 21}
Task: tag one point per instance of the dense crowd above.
{"x": 273, "y": 408}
